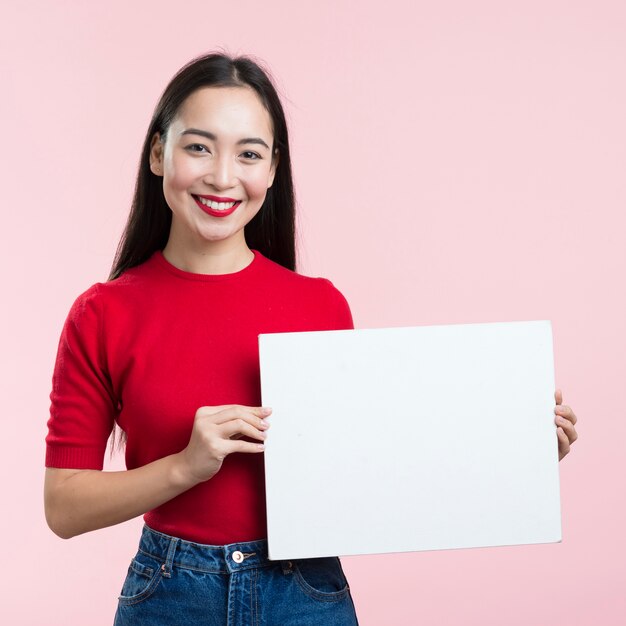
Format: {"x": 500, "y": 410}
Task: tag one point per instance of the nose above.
{"x": 221, "y": 172}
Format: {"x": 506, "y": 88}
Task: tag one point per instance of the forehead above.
{"x": 225, "y": 110}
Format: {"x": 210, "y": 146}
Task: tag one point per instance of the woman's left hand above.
{"x": 564, "y": 420}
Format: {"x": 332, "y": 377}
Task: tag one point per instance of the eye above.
{"x": 248, "y": 154}
{"x": 196, "y": 147}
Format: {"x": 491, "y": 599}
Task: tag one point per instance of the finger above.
{"x": 563, "y": 442}
{"x": 238, "y": 445}
{"x": 253, "y": 415}
{"x": 232, "y": 428}
{"x": 206, "y": 411}
{"x": 568, "y": 427}
{"x": 558, "y": 396}
{"x": 566, "y": 412}
{"x": 212, "y": 410}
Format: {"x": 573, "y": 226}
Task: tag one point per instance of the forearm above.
{"x": 91, "y": 499}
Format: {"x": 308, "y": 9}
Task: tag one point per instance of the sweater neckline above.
{"x": 163, "y": 263}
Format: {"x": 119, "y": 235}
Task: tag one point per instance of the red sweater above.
{"x": 151, "y": 347}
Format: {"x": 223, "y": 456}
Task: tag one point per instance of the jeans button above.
{"x": 237, "y": 556}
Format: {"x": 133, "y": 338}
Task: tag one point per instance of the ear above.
{"x": 156, "y": 155}
{"x": 275, "y": 159}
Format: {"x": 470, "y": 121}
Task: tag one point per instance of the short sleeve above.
{"x": 83, "y": 405}
{"x": 342, "y": 316}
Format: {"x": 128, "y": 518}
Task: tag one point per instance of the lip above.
{"x": 214, "y": 212}
{"x": 217, "y": 198}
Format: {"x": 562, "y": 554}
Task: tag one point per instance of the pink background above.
{"x": 454, "y": 161}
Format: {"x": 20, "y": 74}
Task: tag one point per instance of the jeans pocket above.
{"x": 143, "y": 578}
{"x": 322, "y": 578}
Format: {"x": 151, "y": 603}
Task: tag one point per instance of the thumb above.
{"x": 558, "y": 396}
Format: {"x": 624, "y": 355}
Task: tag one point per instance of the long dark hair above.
{"x": 271, "y": 231}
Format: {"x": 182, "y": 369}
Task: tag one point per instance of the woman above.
{"x": 168, "y": 344}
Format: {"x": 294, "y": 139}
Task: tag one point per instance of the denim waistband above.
{"x": 230, "y": 558}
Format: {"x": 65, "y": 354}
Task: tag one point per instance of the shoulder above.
{"x": 86, "y": 304}
{"x": 94, "y": 297}
{"x": 122, "y": 289}
{"x": 93, "y": 304}
{"x": 317, "y": 292}
{"x": 316, "y": 284}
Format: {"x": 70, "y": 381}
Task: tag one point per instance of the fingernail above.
{"x": 265, "y": 423}
{"x": 266, "y": 410}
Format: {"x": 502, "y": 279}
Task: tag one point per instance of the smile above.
{"x": 217, "y": 209}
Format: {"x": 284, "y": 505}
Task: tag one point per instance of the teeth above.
{"x": 219, "y": 206}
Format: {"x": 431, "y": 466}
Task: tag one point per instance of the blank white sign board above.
{"x": 405, "y": 439}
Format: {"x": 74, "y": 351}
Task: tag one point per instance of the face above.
{"x": 216, "y": 162}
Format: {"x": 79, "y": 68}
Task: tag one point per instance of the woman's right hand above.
{"x": 80, "y": 500}
{"x": 216, "y": 433}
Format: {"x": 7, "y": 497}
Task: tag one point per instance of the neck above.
{"x": 220, "y": 257}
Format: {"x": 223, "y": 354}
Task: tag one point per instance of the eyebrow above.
{"x": 212, "y": 137}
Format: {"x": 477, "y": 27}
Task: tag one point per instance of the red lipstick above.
{"x": 217, "y": 198}
{"x": 217, "y": 212}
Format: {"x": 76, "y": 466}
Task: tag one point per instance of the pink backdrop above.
{"x": 454, "y": 161}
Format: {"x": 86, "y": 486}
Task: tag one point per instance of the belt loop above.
{"x": 166, "y": 568}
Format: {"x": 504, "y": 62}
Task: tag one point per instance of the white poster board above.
{"x": 405, "y": 439}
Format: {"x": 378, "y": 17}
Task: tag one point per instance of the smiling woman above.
{"x": 249, "y": 125}
{"x": 167, "y": 350}
{"x": 223, "y": 164}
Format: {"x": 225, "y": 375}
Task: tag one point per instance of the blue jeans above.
{"x": 176, "y": 582}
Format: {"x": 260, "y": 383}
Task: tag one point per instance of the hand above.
{"x": 216, "y": 434}
{"x": 564, "y": 420}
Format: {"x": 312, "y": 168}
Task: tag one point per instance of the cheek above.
{"x": 257, "y": 185}
{"x": 180, "y": 174}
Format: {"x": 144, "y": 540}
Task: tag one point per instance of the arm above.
{"x": 78, "y": 501}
